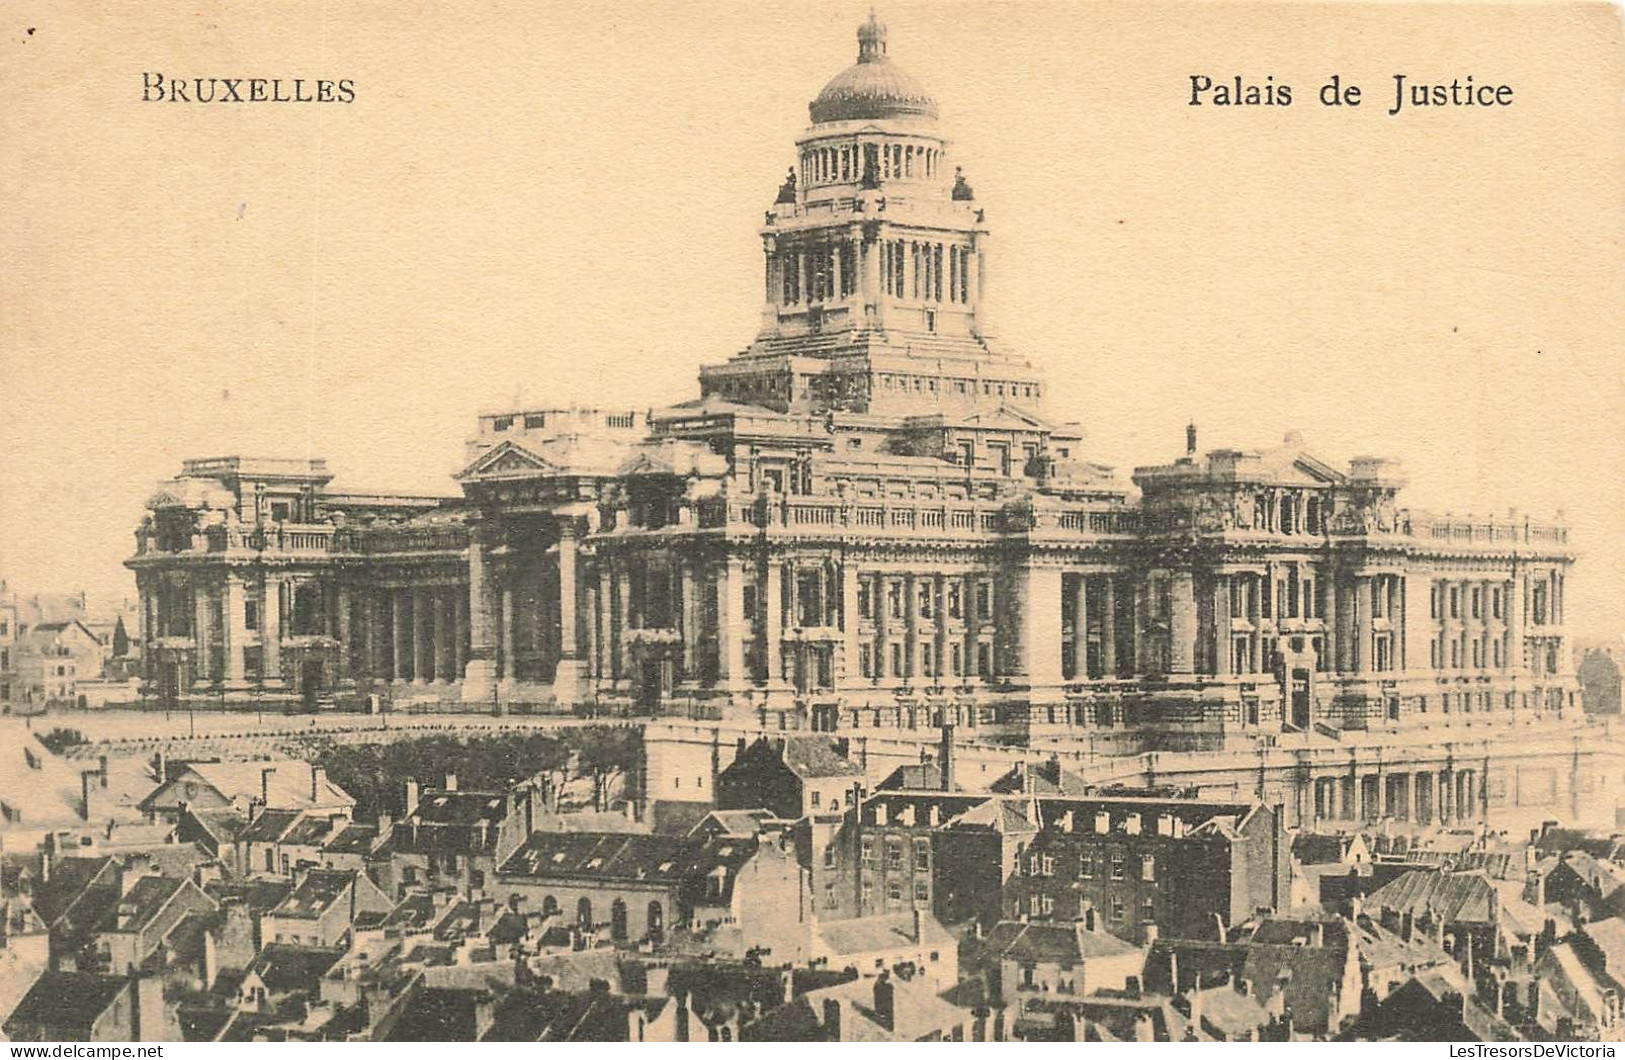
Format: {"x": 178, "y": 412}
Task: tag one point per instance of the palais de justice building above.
{"x": 866, "y": 519}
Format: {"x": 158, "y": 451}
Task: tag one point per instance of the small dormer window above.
{"x": 501, "y": 423}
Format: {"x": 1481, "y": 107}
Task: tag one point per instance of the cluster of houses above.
{"x": 55, "y": 650}
{"x": 247, "y": 900}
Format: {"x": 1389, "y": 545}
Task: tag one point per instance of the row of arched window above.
{"x": 846, "y": 164}
{"x": 618, "y": 923}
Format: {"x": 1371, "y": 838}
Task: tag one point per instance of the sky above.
{"x": 556, "y": 204}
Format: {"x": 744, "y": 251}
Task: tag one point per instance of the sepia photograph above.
{"x": 991, "y": 521}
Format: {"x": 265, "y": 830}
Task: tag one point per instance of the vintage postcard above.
{"x": 996, "y": 521}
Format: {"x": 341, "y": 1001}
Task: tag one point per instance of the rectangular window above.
{"x": 955, "y": 604}
{"x": 894, "y": 854}
{"x": 831, "y": 900}
{"x": 922, "y": 890}
{"x": 817, "y": 797}
{"x": 866, "y": 660}
{"x": 868, "y": 852}
{"x": 1086, "y": 865}
{"x": 1148, "y": 867}
{"x": 894, "y": 599}
{"x": 1117, "y": 909}
{"x": 1478, "y": 602}
{"x": 928, "y": 599}
{"x": 896, "y": 660}
{"x": 984, "y": 600}
{"x": 922, "y": 855}
{"x": 866, "y": 598}
{"x": 251, "y": 614}
{"x": 894, "y": 892}
{"x": 1117, "y": 865}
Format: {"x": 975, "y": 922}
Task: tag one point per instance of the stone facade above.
{"x": 866, "y": 519}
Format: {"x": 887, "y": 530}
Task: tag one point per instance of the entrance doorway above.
{"x": 311, "y": 681}
{"x": 1298, "y": 688}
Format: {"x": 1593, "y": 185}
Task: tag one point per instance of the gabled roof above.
{"x": 684, "y": 861}
{"x": 888, "y": 931}
{"x": 1040, "y": 778}
{"x": 269, "y": 826}
{"x": 1450, "y": 897}
{"x": 66, "y": 999}
{"x": 316, "y": 893}
{"x": 287, "y": 782}
{"x": 1057, "y": 942}
{"x": 283, "y": 967}
{"x": 1007, "y": 815}
{"x": 352, "y": 839}
{"x": 808, "y": 757}
{"x": 67, "y": 883}
{"x": 451, "y": 821}
{"x": 143, "y": 901}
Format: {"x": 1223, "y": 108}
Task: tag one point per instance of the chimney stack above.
{"x": 451, "y": 781}
{"x": 102, "y": 770}
{"x": 945, "y": 765}
{"x": 411, "y": 797}
{"x": 318, "y": 782}
{"x": 885, "y": 1002}
{"x": 265, "y": 784}
{"x": 1190, "y": 439}
{"x": 84, "y": 793}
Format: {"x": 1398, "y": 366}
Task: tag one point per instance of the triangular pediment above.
{"x": 1312, "y": 471}
{"x": 505, "y": 461}
{"x": 1003, "y": 418}
{"x": 166, "y": 499}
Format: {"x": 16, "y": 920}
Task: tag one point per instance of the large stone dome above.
{"x": 873, "y": 87}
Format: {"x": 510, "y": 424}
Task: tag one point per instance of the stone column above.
{"x": 271, "y": 631}
{"x": 459, "y": 634}
{"x": 911, "y": 627}
{"x": 1255, "y": 614}
{"x": 1362, "y": 625}
{"x": 851, "y": 621}
{"x": 1182, "y": 625}
{"x": 973, "y": 629}
{"x": 1108, "y": 626}
{"x": 731, "y": 630}
{"x": 772, "y": 623}
{"x": 570, "y": 677}
{"x": 1221, "y": 625}
{"x": 479, "y": 671}
{"x": 421, "y": 606}
{"x": 202, "y": 608}
{"x": 939, "y": 607}
{"x": 882, "y": 628}
{"x": 1038, "y": 628}
{"x": 1080, "y": 627}
{"x": 445, "y": 628}
{"x": 1514, "y": 617}
{"x": 1446, "y": 802}
{"x": 506, "y": 630}
{"x": 234, "y": 624}
{"x": 623, "y": 618}
{"x": 1332, "y": 639}
{"x": 604, "y": 620}
{"x": 399, "y": 605}
{"x": 689, "y": 599}
{"x": 346, "y": 649}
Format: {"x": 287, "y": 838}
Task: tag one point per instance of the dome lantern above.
{"x": 873, "y": 88}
